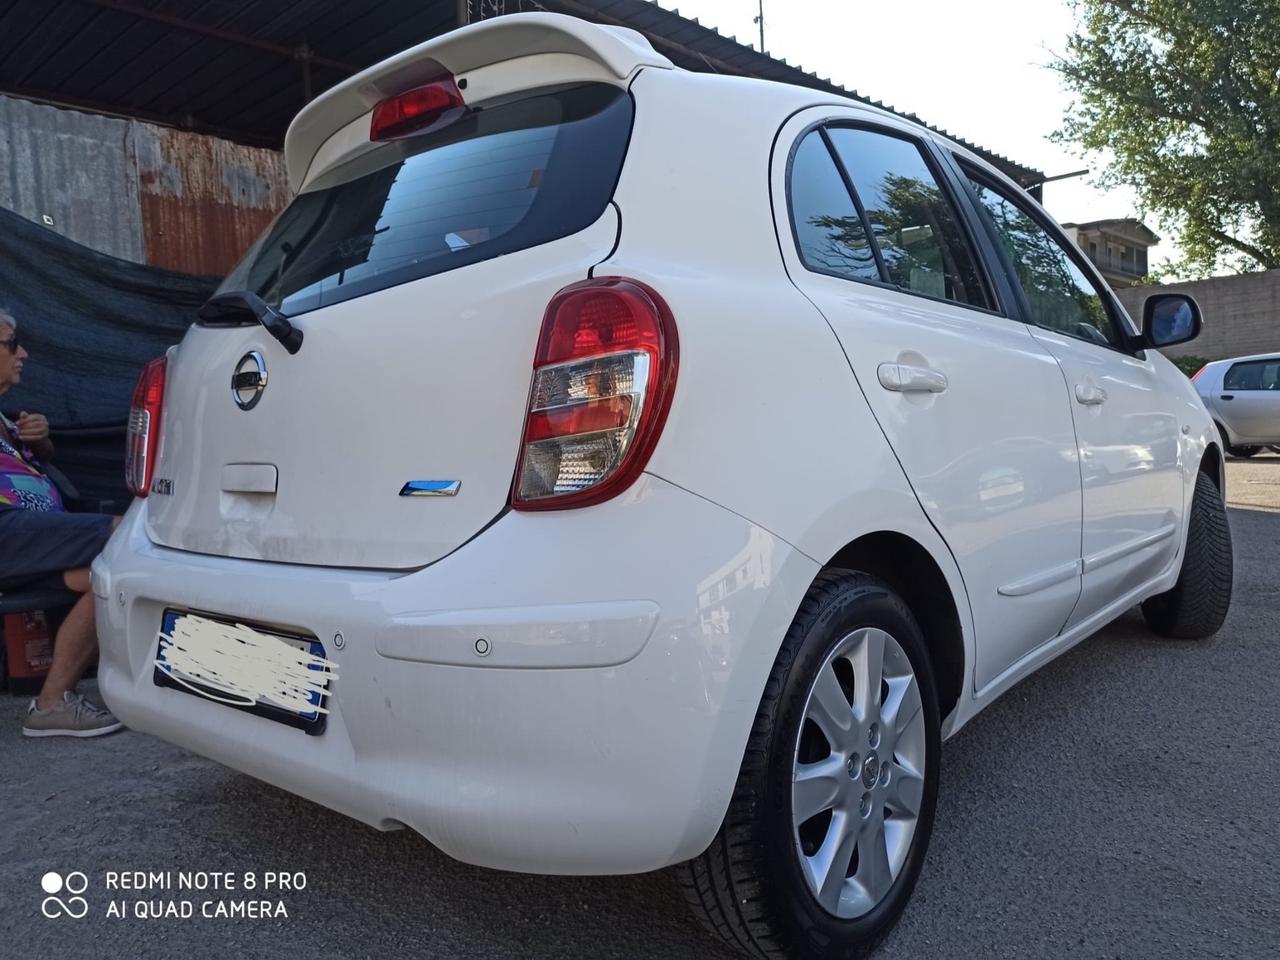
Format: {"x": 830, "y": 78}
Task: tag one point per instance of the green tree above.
{"x": 1185, "y": 94}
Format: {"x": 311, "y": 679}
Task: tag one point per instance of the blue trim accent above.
{"x": 430, "y": 488}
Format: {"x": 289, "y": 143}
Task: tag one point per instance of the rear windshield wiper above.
{"x": 235, "y": 305}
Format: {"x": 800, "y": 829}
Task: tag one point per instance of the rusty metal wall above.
{"x": 203, "y": 200}
{"x": 136, "y": 190}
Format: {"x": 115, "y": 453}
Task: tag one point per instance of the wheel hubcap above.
{"x": 858, "y": 774}
{"x": 870, "y": 771}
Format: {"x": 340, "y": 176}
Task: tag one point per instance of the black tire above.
{"x": 747, "y": 887}
{"x": 1238, "y": 453}
{"x": 1197, "y": 605}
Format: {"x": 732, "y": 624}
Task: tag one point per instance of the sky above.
{"x": 975, "y": 68}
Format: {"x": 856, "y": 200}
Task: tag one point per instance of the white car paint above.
{"x": 365, "y": 394}
{"x": 956, "y": 460}
{"x": 1249, "y": 417}
{"x": 529, "y": 759}
{"x": 1131, "y": 466}
{"x": 627, "y": 643}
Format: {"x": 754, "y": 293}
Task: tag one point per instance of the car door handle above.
{"x": 904, "y": 378}
{"x": 1090, "y": 394}
{"x": 1228, "y": 396}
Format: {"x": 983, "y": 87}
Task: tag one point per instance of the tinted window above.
{"x": 829, "y": 234}
{"x": 914, "y": 226}
{"x": 496, "y": 181}
{"x": 1254, "y": 375}
{"x": 1058, "y": 293}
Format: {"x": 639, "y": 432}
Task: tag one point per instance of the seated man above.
{"x": 41, "y": 545}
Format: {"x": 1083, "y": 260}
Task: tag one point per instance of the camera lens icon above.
{"x": 75, "y": 883}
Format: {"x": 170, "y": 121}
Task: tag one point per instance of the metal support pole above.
{"x": 304, "y": 55}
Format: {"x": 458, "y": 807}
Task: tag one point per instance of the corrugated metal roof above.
{"x": 235, "y": 68}
{"x": 242, "y": 68}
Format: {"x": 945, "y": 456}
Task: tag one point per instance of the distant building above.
{"x": 1118, "y": 248}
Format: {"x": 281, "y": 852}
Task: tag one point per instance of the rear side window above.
{"x": 1253, "y": 375}
{"x": 915, "y": 228}
{"x": 829, "y": 233}
{"x": 867, "y": 206}
{"x": 496, "y": 181}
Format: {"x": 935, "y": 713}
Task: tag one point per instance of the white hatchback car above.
{"x": 1243, "y": 396}
{"x": 601, "y": 466}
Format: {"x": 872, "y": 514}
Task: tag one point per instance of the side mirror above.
{"x": 1169, "y": 318}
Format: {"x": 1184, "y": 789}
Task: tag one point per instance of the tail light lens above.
{"x": 603, "y": 379}
{"x": 1196, "y": 376}
{"x": 433, "y": 105}
{"x": 143, "y": 434}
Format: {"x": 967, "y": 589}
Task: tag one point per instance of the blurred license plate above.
{"x": 283, "y": 677}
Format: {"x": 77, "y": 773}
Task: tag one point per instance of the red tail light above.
{"x": 603, "y": 379}
{"x": 435, "y": 104}
{"x": 143, "y": 434}
{"x": 1196, "y": 376}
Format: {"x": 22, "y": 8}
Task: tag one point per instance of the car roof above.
{"x": 1254, "y": 356}
{"x": 786, "y": 99}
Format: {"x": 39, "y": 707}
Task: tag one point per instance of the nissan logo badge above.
{"x": 249, "y": 380}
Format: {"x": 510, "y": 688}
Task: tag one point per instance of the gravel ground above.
{"x": 1122, "y": 802}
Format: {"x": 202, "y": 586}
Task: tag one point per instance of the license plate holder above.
{"x": 311, "y": 720}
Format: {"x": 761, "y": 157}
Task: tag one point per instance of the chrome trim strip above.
{"x": 431, "y": 488}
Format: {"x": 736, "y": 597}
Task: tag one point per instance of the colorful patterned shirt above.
{"x": 22, "y": 484}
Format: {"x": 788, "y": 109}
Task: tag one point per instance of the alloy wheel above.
{"x": 858, "y": 773}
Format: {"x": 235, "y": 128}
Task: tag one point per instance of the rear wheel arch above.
{"x": 1222, "y": 433}
{"x": 910, "y": 569}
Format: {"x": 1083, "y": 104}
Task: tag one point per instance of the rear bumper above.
{"x": 602, "y": 733}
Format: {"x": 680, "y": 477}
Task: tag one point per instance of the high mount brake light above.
{"x": 431, "y": 106}
{"x": 603, "y": 378}
{"x": 143, "y": 434}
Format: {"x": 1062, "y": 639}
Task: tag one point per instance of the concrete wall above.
{"x": 137, "y": 190}
{"x": 1241, "y": 313}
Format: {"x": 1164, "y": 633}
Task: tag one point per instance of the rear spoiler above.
{"x": 520, "y": 50}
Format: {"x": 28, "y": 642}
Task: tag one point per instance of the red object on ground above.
{"x": 29, "y": 645}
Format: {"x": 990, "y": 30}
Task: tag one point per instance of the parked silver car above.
{"x": 1243, "y": 395}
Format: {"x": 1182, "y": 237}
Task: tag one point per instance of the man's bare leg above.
{"x": 76, "y": 641}
{"x": 75, "y": 644}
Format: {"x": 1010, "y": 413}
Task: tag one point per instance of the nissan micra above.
{"x": 600, "y": 467}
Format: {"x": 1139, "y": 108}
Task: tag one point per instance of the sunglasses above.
{"x": 11, "y": 343}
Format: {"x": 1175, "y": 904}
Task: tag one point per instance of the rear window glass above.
{"x": 496, "y": 181}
